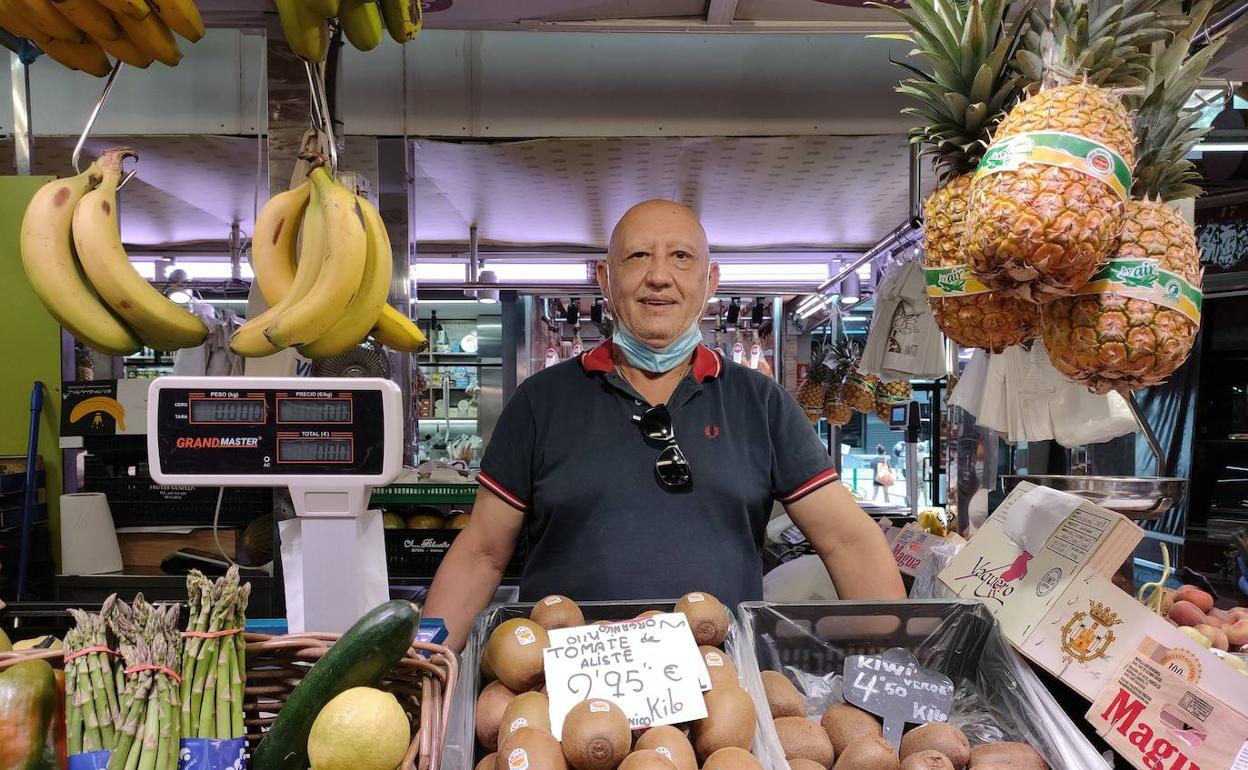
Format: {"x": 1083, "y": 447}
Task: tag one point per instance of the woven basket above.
{"x": 423, "y": 682}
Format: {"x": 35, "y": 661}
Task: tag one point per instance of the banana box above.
{"x": 102, "y": 408}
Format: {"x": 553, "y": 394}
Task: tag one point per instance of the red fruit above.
{"x": 1186, "y": 614}
{"x": 1202, "y": 600}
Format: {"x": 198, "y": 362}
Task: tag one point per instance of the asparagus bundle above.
{"x": 91, "y": 686}
{"x": 213, "y": 659}
{"x": 149, "y": 732}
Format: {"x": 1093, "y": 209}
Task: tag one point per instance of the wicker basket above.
{"x": 423, "y": 682}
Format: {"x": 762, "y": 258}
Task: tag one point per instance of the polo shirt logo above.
{"x": 711, "y": 431}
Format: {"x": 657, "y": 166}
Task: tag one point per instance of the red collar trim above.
{"x": 706, "y": 362}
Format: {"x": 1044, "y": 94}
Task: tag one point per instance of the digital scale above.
{"x": 906, "y": 416}
{"x": 328, "y": 440}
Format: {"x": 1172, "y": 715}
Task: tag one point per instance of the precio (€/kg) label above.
{"x": 1145, "y": 279}
{"x": 955, "y": 281}
{"x": 1058, "y": 148}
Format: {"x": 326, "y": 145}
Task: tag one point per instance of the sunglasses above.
{"x": 671, "y": 468}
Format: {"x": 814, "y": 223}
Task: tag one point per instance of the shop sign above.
{"x": 104, "y": 408}
{"x": 894, "y": 687}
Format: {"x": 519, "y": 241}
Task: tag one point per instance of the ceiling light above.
{"x": 180, "y": 296}
{"x": 734, "y": 311}
{"x": 595, "y": 310}
{"x": 756, "y": 316}
{"x": 738, "y": 272}
{"x": 574, "y": 312}
{"x": 851, "y": 289}
{"x": 821, "y": 301}
{"x": 1221, "y": 147}
{"x": 487, "y": 296}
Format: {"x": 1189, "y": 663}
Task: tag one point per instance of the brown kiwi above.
{"x": 803, "y": 739}
{"x": 723, "y": 673}
{"x": 650, "y": 614}
{"x": 596, "y": 735}
{"x": 487, "y": 762}
{"x": 530, "y": 747}
{"x": 869, "y": 753}
{"x": 514, "y": 653}
{"x": 1006, "y": 756}
{"x": 557, "y": 611}
{"x": 708, "y": 619}
{"x": 782, "y": 697}
{"x": 491, "y": 704}
{"x": 927, "y": 759}
{"x": 730, "y": 721}
{"x": 673, "y": 741}
{"x": 845, "y": 724}
{"x": 732, "y": 758}
{"x": 939, "y": 736}
{"x": 647, "y": 759}
{"x": 805, "y": 764}
{"x": 528, "y": 709}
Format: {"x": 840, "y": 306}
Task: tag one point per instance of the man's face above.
{"x": 658, "y": 273}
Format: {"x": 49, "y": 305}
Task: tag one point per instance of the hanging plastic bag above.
{"x": 1085, "y": 418}
{"x": 969, "y": 391}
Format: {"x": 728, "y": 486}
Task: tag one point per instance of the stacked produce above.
{"x": 858, "y": 392}
{"x": 83, "y": 34}
{"x": 213, "y": 660}
{"x": 307, "y": 23}
{"x": 813, "y": 391}
{"x": 322, "y": 260}
{"x": 840, "y": 359}
{"x": 889, "y": 394}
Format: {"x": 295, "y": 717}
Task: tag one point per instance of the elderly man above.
{"x": 647, "y": 468}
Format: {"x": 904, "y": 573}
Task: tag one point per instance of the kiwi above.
{"x": 846, "y": 724}
{"x": 730, "y": 721}
{"x": 927, "y": 759}
{"x": 803, "y": 739}
{"x": 723, "y": 673}
{"x": 650, "y": 614}
{"x": 708, "y": 619}
{"x": 938, "y": 736}
{"x": 782, "y": 697}
{"x": 487, "y": 762}
{"x": 530, "y": 747}
{"x": 528, "y": 709}
{"x": 514, "y": 653}
{"x": 596, "y": 735}
{"x": 805, "y": 764}
{"x": 1006, "y": 756}
{"x": 557, "y": 611}
{"x": 491, "y": 704}
{"x": 869, "y": 753}
{"x": 672, "y": 742}
{"x": 732, "y": 758}
{"x": 647, "y": 759}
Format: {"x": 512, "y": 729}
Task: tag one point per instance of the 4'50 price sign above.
{"x": 896, "y": 689}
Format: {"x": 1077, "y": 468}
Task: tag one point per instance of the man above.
{"x": 647, "y": 468}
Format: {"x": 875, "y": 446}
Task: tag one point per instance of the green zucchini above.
{"x": 360, "y": 658}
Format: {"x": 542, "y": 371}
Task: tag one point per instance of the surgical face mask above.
{"x": 665, "y": 359}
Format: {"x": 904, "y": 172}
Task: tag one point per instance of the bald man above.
{"x": 647, "y": 468}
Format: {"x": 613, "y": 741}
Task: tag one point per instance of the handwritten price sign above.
{"x": 650, "y": 668}
{"x": 896, "y": 689}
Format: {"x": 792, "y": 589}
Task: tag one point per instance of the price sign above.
{"x": 650, "y": 668}
{"x": 896, "y": 689}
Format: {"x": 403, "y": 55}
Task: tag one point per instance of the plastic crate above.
{"x": 958, "y": 638}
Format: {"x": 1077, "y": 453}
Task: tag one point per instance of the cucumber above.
{"x": 360, "y": 658}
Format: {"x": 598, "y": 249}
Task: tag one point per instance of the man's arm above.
{"x": 850, "y": 544}
{"x": 471, "y": 571}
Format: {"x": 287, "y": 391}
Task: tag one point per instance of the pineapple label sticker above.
{"x": 1145, "y": 279}
{"x": 650, "y": 667}
{"x": 1058, "y": 148}
{"x": 956, "y": 281}
{"x": 894, "y": 687}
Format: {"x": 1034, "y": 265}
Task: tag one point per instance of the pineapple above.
{"x": 812, "y": 393}
{"x": 859, "y": 391}
{"x": 835, "y": 411}
{"x": 959, "y": 102}
{"x": 840, "y": 359}
{"x": 1121, "y": 341}
{"x": 1039, "y": 231}
{"x": 889, "y": 393}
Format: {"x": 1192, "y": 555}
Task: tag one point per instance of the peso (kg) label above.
{"x": 1145, "y": 279}
{"x": 957, "y": 281}
{"x": 1058, "y": 148}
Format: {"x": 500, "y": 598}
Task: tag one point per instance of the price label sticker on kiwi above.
{"x": 894, "y": 687}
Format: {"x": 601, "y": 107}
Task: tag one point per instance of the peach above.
{"x": 1186, "y": 614}
{"x": 1220, "y": 614}
{"x": 1215, "y": 621}
{"x": 1217, "y": 638}
{"x": 1237, "y": 632}
{"x": 1202, "y": 600}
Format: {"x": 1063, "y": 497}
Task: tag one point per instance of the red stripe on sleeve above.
{"x": 823, "y": 479}
{"x": 498, "y": 489}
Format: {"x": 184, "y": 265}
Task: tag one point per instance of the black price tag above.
{"x": 896, "y": 689}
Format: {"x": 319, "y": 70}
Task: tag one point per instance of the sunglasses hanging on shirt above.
{"x": 670, "y": 468}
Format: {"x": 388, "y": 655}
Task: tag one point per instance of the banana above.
{"x": 125, "y": 51}
{"x": 90, "y": 17}
{"x": 152, "y": 37}
{"x": 161, "y": 324}
{"x": 273, "y": 243}
{"x": 346, "y": 246}
{"x": 42, "y": 16}
{"x": 135, "y": 9}
{"x": 365, "y": 307}
{"x": 361, "y": 23}
{"x": 403, "y": 19}
{"x": 109, "y": 406}
{"x": 397, "y": 332}
{"x": 306, "y": 34}
{"x": 321, "y": 9}
{"x": 181, "y": 16}
{"x": 85, "y": 56}
{"x": 54, "y": 273}
{"x": 11, "y": 18}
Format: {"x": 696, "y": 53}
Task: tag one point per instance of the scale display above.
{"x": 227, "y": 411}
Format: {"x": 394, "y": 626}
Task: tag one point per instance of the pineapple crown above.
{"x": 841, "y": 356}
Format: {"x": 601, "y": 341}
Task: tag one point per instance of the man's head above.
{"x": 658, "y": 273}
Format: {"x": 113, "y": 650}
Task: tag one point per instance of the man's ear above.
{"x": 604, "y": 280}
{"x": 712, "y": 281}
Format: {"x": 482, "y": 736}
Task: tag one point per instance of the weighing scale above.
{"x": 328, "y": 440}
{"x": 905, "y": 416}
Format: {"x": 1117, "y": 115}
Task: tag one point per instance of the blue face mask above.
{"x": 644, "y": 357}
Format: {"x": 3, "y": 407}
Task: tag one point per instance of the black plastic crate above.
{"x": 417, "y": 553}
{"x": 12, "y": 517}
{"x": 39, "y": 561}
{"x": 144, "y": 503}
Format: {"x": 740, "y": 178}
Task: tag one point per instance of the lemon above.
{"x": 360, "y": 729}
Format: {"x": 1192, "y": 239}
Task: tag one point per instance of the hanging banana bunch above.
{"x": 306, "y": 23}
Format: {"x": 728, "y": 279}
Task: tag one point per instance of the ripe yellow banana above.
{"x": 397, "y": 332}
{"x": 161, "y": 324}
{"x": 85, "y": 56}
{"x": 126, "y": 51}
{"x": 11, "y": 18}
{"x": 53, "y": 271}
{"x": 321, "y": 9}
{"x": 365, "y": 307}
{"x": 403, "y": 19}
{"x": 152, "y": 37}
{"x": 42, "y": 16}
{"x": 361, "y": 23}
{"x": 90, "y": 17}
{"x": 181, "y": 16}
{"x": 109, "y": 406}
{"x": 273, "y": 243}
{"x": 135, "y": 9}
{"x": 306, "y": 33}
{"x": 346, "y": 245}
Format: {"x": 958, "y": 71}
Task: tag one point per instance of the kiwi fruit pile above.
{"x": 513, "y": 712}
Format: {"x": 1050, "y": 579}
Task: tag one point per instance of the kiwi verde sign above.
{"x": 894, "y": 687}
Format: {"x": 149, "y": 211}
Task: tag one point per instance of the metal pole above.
{"x": 912, "y": 477}
{"x": 1151, "y": 438}
{"x": 778, "y": 331}
{"x": 916, "y": 182}
{"x": 19, "y": 80}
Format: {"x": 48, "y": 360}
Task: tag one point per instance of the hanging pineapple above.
{"x": 963, "y": 98}
{"x": 813, "y": 391}
{"x": 889, "y": 393}
{"x": 840, "y": 358}
{"x": 1136, "y": 320}
{"x": 1048, "y": 197}
{"x": 859, "y": 390}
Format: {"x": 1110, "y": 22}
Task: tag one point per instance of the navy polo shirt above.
{"x": 600, "y": 526}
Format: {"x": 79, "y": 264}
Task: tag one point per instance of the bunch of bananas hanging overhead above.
{"x": 83, "y": 34}
{"x": 72, "y": 252}
{"x": 306, "y": 23}
{"x": 322, "y": 260}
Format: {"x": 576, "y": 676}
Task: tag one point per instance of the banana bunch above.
{"x": 306, "y": 23}
{"x": 73, "y": 256}
{"x": 322, "y": 260}
{"x": 83, "y": 34}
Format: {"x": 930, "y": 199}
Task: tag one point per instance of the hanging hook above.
{"x": 95, "y": 113}
{"x": 322, "y": 121}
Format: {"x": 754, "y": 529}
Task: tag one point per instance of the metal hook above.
{"x": 95, "y": 113}
{"x": 322, "y": 121}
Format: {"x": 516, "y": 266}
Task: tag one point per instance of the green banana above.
{"x": 361, "y": 23}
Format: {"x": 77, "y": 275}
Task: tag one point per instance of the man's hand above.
{"x": 850, "y": 544}
{"x": 471, "y": 571}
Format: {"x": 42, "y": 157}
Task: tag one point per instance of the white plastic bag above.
{"x": 969, "y": 391}
{"x": 1085, "y": 418}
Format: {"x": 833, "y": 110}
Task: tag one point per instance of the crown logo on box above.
{"x": 1102, "y": 614}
